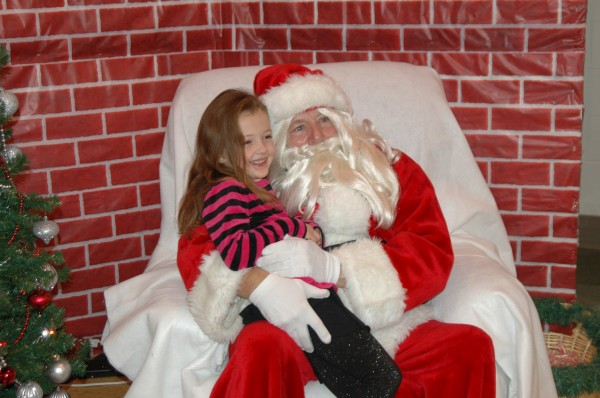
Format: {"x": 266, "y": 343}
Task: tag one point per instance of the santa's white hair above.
{"x": 358, "y": 158}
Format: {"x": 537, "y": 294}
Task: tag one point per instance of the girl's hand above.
{"x": 314, "y": 235}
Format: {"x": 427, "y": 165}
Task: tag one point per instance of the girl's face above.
{"x": 259, "y": 148}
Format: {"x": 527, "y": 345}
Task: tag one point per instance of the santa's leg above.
{"x": 447, "y": 360}
{"x": 264, "y": 363}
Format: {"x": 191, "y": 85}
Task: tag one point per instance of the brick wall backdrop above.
{"x": 95, "y": 79}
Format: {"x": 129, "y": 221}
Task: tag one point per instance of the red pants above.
{"x": 436, "y": 360}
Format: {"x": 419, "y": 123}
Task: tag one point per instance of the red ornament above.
{"x": 8, "y": 376}
{"x": 39, "y": 299}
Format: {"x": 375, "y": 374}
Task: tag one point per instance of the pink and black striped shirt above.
{"x": 241, "y": 225}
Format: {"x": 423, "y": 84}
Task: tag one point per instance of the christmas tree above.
{"x": 36, "y": 354}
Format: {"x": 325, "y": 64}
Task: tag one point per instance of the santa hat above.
{"x": 290, "y": 89}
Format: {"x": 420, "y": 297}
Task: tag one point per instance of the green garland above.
{"x": 573, "y": 381}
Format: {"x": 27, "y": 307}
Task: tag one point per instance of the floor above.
{"x": 102, "y": 381}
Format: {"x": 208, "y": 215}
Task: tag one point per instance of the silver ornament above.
{"x": 31, "y": 389}
{"x": 59, "y": 393}
{"x": 52, "y": 279}
{"x": 10, "y": 153}
{"x": 59, "y": 370}
{"x": 46, "y": 230}
{"x": 10, "y": 101}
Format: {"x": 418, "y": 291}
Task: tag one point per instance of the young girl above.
{"x": 229, "y": 195}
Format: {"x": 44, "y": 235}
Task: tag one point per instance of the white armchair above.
{"x": 151, "y": 336}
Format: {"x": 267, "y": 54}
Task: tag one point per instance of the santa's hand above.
{"x": 293, "y": 257}
{"x": 283, "y": 302}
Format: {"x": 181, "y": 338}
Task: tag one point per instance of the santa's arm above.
{"x": 404, "y": 266}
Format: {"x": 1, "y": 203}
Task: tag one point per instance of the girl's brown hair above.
{"x": 219, "y": 154}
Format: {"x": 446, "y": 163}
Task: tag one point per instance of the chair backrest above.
{"x": 408, "y": 107}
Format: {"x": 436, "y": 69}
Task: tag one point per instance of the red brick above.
{"x": 494, "y": 146}
{"x": 533, "y": 275}
{"x": 74, "y": 256}
{"x": 287, "y": 57}
{"x": 494, "y": 39}
{"x": 178, "y": 15}
{"x": 51, "y": 155}
{"x": 289, "y": 13}
{"x": 104, "y": 149}
{"x": 550, "y": 200}
{"x": 132, "y": 172}
{"x": 154, "y": 92}
{"x": 531, "y": 12}
{"x": 341, "y": 56}
{"x": 79, "y": 178}
{"x": 520, "y": 173}
{"x": 30, "y": 4}
{"x": 432, "y": 39}
{"x": 92, "y": 278}
{"x": 344, "y": 13}
{"x": 263, "y": 38}
{"x": 451, "y": 89}
{"x": 209, "y": 39}
{"x": 19, "y": 76}
{"x": 137, "y": 221}
{"x": 463, "y": 12}
{"x": 32, "y": 182}
{"x": 549, "y": 252}
{"x": 99, "y": 47}
{"x": 230, "y": 59}
{"x": 568, "y": 120}
{"x": 312, "y": 39}
{"x": 150, "y": 194}
{"x": 402, "y": 12}
{"x": 557, "y": 39}
{"x": 379, "y": 39}
{"x": 116, "y": 250}
{"x": 39, "y": 51}
{"x": 83, "y": 230}
{"x": 74, "y": 305}
{"x": 570, "y": 63}
{"x": 240, "y": 12}
{"x": 490, "y": 91}
{"x": 415, "y": 58}
{"x": 69, "y": 208}
{"x": 567, "y": 174}
{"x": 521, "y": 119}
{"x": 471, "y": 118}
{"x": 69, "y": 73}
{"x": 98, "y": 303}
{"x": 131, "y": 120}
{"x": 522, "y": 64}
{"x": 156, "y": 42}
{"x": 127, "y": 68}
{"x": 484, "y": 168}
{"x": 149, "y": 144}
{"x": 545, "y": 147}
{"x": 131, "y": 269}
{"x": 527, "y": 225}
{"x": 565, "y": 226}
{"x": 44, "y": 102}
{"x": 127, "y": 18}
{"x": 88, "y": 98}
{"x": 110, "y": 200}
{"x": 461, "y": 64}
{"x": 150, "y": 242}
{"x": 73, "y": 126}
{"x": 553, "y": 92}
{"x": 563, "y": 277}
{"x": 28, "y": 130}
{"x": 574, "y": 11}
{"x": 94, "y": 2}
{"x": 68, "y": 22}
{"x": 184, "y": 63}
{"x": 17, "y": 25}
{"x": 506, "y": 198}
{"x": 86, "y": 327}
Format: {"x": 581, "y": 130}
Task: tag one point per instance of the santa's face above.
{"x": 310, "y": 127}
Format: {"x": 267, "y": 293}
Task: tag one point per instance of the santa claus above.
{"x": 389, "y": 252}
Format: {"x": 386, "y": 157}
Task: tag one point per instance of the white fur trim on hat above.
{"x": 300, "y": 93}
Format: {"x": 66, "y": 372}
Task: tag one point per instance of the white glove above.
{"x": 283, "y": 302}
{"x": 294, "y": 257}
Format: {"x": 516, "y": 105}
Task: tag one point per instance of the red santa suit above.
{"x": 390, "y": 275}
